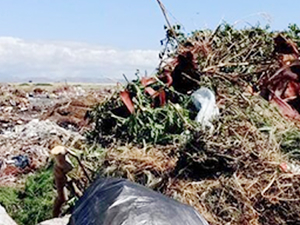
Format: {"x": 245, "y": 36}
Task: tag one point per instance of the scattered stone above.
{"x": 56, "y": 221}
{"x": 5, "y": 219}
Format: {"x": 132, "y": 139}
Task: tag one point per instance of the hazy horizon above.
{"x": 90, "y": 40}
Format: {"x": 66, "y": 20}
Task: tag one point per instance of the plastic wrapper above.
{"x": 205, "y": 101}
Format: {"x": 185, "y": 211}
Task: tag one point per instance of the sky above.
{"x": 77, "y": 40}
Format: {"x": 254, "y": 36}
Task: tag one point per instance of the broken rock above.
{"x": 5, "y": 219}
{"x": 57, "y": 221}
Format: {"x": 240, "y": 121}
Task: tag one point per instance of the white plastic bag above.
{"x": 205, "y": 101}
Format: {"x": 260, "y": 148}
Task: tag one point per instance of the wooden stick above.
{"x": 80, "y": 164}
{"x": 163, "y": 9}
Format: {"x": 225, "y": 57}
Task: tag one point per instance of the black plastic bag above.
{"x": 113, "y": 201}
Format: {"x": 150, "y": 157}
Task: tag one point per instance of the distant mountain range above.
{"x": 67, "y": 79}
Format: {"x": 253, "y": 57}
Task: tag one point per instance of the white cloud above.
{"x": 22, "y": 60}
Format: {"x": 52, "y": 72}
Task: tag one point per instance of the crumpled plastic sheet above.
{"x": 114, "y": 201}
{"x": 205, "y": 101}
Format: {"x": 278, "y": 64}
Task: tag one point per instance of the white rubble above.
{"x": 57, "y": 221}
{"x": 34, "y": 140}
{"x": 5, "y": 219}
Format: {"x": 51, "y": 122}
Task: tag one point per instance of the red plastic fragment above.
{"x": 146, "y": 81}
{"x": 162, "y": 97}
{"x": 127, "y": 101}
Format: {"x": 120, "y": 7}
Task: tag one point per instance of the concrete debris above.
{"x": 34, "y": 139}
{"x": 20, "y": 105}
{"x": 34, "y": 119}
{"x": 5, "y": 219}
{"x": 69, "y": 91}
{"x": 57, "y": 221}
{"x": 71, "y": 114}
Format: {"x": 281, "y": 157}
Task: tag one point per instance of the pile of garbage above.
{"x": 35, "y": 119}
{"x": 216, "y": 128}
{"x": 27, "y": 146}
{"x": 12, "y": 103}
